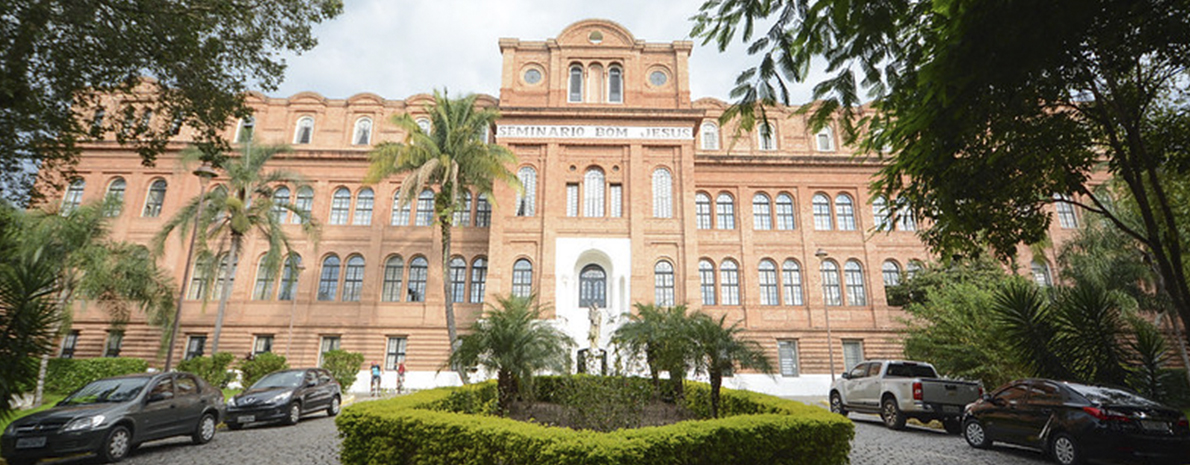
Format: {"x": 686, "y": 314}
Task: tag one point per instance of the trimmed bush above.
{"x": 262, "y": 364}
{"x": 343, "y": 365}
{"x": 213, "y": 369}
{"x": 426, "y": 428}
{"x": 66, "y": 375}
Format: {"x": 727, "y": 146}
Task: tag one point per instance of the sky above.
{"x": 397, "y": 48}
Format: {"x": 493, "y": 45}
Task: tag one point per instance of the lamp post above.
{"x": 297, "y": 273}
{"x": 204, "y": 172}
{"x": 826, "y": 316}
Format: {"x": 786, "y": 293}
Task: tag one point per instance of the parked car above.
{"x": 112, "y": 416}
{"x": 285, "y": 396}
{"x": 899, "y": 389}
{"x": 1073, "y": 422}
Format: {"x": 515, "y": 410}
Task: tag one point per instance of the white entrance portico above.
{"x": 611, "y": 256}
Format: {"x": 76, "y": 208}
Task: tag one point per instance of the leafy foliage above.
{"x": 215, "y": 369}
{"x": 720, "y": 349}
{"x": 251, "y": 370}
{"x": 28, "y": 318}
{"x": 183, "y": 64}
{"x": 343, "y": 365}
{"x": 659, "y": 334}
{"x": 65, "y": 375}
{"x": 599, "y": 403}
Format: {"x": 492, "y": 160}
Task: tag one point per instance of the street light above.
{"x": 830, "y": 348}
{"x": 297, "y": 273}
{"x": 204, "y": 172}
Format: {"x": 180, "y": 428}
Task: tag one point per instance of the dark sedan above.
{"x": 285, "y": 396}
{"x": 1075, "y": 422}
{"x": 112, "y": 416}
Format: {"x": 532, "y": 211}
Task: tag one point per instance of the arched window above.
{"x": 265, "y": 277}
{"x": 825, "y": 140}
{"x": 592, "y": 287}
{"x": 576, "y": 84}
{"x": 766, "y": 136}
{"x": 891, "y": 273}
{"x": 702, "y": 210}
{"x": 363, "y": 131}
{"x": 479, "y": 278}
{"x": 425, "y": 208}
{"x": 1041, "y": 273}
{"x": 768, "y": 282}
{"x": 394, "y": 267}
{"x": 328, "y": 280}
{"x": 304, "y": 131}
{"x": 462, "y": 216}
{"x": 663, "y": 283}
{"x": 155, "y": 199}
{"x": 400, "y": 214}
{"x": 791, "y": 277}
{"x": 224, "y": 279}
{"x": 483, "y": 211}
{"x": 725, "y": 212}
{"x": 762, "y": 213}
{"x": 593, "y": 184}
{"x": 1066, "y": 217}
{"x": 615, "y": 84}
{"x": 522, "y": 278}
{"x": 353, "y": 279}
{"x": 280, "y": 200}
{"x": 822, "y": 212}
{"x": 710, "y": 136}
{"x": 73, "y": 197}
{"x": 729, "y": 283}
{"x": 363, "y": 207}
{"x": 845, "y": 212}
{"x": 880, "y": 214}
{"x": 340, "y": 206}
{"x": 304, "y": 204}
{"x": 458, "y": 279}
{"x": 662, "y": 193}
{"x": 419, "y": 269}
{"x": 425, "y": 125}
{"x": 706, "y": 281}
{"x": 853, "y": 275}
{"x": 113, "y": 200}
{"x": 905, "y": 220}
{"x": 785, "y": 217}
{"x": 912, "y": 268}
{"x": 830, "y": 283}
{"x": 199, "y": 277}
{"x": 289, "y": 277}
{"x": 526, "y": 202}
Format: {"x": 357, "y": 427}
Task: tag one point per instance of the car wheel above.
{"x": 1065, "y": 450}
{"x": 837, "y": 404}
{"x": 117, "y": 445}
{"x": 952, "y": 425}
{"x": 891, "y": 414}
{"x": 295, "y": 414}
{"x": 334, "y": 408}
{"x": 975, "y": 435}
{"x": 205, "y": 431}
{"x": 231, "y": 425}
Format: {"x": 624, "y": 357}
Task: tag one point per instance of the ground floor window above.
{"x": 853, "y": 353}
{"x": 194, "y": 346}
{"x": 262, "y": 344}
{"x": 394, "y": 353}
{"x": 115, "y": 340}
{"x": 68, "y": 344}
{"x": 327, "y": 344}
{"x": 787, "y": 353}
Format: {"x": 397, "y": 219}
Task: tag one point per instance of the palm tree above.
{"x": 233, "y": 213}
{"x": 28, "y": 318}
{"x": 452, "y": 157}
{"x": 659, "y": 335}
{"x": 720, "y": 349}
{"x": 512, "y": 340}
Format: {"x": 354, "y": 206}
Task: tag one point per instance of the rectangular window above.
{"x": 787, "y": 353}
{"x": 262, "y": 344}
{"x": 853, "y": 353}
{"x": 327, "y": 344}
{"x": 394, "y": 353}
{"x": 194, "y": 346}
{"x": 115, "y": 339}
{"x": 69, "y": 343}
{"x": 571, "y": 199}
{"x": 617, "y": 200}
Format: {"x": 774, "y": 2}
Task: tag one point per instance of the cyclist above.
{"x": 400, "y": 377}
{"x": 376, "y": 372}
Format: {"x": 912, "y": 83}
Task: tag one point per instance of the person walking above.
{"x": 376, "y": 373}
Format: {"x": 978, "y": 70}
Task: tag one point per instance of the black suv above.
{"x": 285, "y": 395}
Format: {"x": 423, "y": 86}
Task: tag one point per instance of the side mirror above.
{"x": 160, "y": 396}
{"x": 999, "y": 402}
{"x": 846, "y": 375}
{"x": 986, "y": 397}
{"x": 311, "y": 383}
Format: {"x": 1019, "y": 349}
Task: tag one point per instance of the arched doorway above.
{"x": 592, "y": 287}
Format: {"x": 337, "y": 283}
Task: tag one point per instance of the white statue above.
{"x": 596, "y": 318}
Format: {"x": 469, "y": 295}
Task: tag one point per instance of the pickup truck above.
{"x": 898, "y": 390}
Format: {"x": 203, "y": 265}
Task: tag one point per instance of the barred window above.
{"x": 706, "y": 281}
{"x": 155, "y": 199}
{"x": 785, "y": 217}
{"x": 768, "y": 282}
{"x": 479, "y": 277}
{"x": 419, "y": 269}
{"x": 791, "y": 278}
{"x": 522, "y": 278}
{"x": 289, "y": 277}
{"x": 394, "y": 267}
{"x": 787, "y": 354}
{"x": 262, "y": 343}
{"x": 710, "y": 136}
{"x": 592, "y": 287}
{"x": 526, "y": 204}
{"x": 353, "y": 279}
{"x": 483, "y": 212}
{"x": 663, "y": 283}
{"x": 662, "y": 193}
{"x": 725, "y": 211}
{"x": 615, "y": 84}
{"x": 762, "y": 212}
{"x": 830, "y": 283}
{"x": 280, "y": 200}
{"x": 854, "y": 276}
{"x": 304, "y": 204}
{"x": 394, "y": 353}
{"x": 593, "y": 184}
{"x": 328, "y": 280}
{"x": 845, "y": 212}
{"x": 363, "y": 207}
{"x": 702, "y": 210}
{"x": 114, "y": 199}
{"x": 425, "y": 208}
{"x": 729, "y": 282}
{"x": 571, "y": 199}
{"x": 458, "y": 279}
{"x": 576, "y": 84}
{"x": 73, "y": 197}
{"x": 1066, "y": 217}
{"x": 822, "y": 212}
{"x": 400, "y": 214}
{"x": 340, "y": 206}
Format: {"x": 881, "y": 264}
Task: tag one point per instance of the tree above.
{"x": 453, "y": 157}
{"x": 29, "y": 317}
{"x": 991, "y": 113}
{"x": 720, "y": 349}
{"x": 660, "y": 335}
{"x": 150, "y": 66}
{"x": 233, "y": 213}
{"x": 512, "y": 340}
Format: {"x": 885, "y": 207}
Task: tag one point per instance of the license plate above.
{"x": 950, "y": 408}
{"x": 29, "y": 443}
{"x": 246, "y": 419}
{"x": 1151, "y": 425}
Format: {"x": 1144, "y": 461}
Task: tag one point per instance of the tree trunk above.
{"x": 716, "y": 383}
{"x": 506, "y": 388}
{"x": 226, "y": 291}
{"x": 41, "y": 371}
{"x": 1177, "y": 331}
{"x": 452, "y": 331}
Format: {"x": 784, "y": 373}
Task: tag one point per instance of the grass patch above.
{"x": 47, "y": 401}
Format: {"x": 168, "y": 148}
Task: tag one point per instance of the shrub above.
{"x": 343, "y": 365}
{"x": 213, "y": 369}
{"x": 423, "y": 428}
{"x": 262, "y": 364}
{"x": 65, "y": 375}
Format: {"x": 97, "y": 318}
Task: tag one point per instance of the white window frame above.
{"x": 307, "y": 123}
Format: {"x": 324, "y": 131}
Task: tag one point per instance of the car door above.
{"x": 308, "y": 392}
{"x": 849, "y": 386}
{"x": 1002, "y": 418}
{"x": 156, "y": 417}
{"x": 1044, "y": 399}
{"x": 188, "y": 402}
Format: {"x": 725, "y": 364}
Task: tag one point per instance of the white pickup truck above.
{"x": 898, "y": 390}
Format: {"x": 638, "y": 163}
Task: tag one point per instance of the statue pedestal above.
{"x": 592, "y": 361}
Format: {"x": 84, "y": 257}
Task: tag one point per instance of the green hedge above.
{"x": 343, "y": 365}
{"x": 65, "y": 375}
{"x": 426, "y": 428}
{"x": 213, "y": 369}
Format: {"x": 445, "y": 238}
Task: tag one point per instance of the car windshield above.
{"x": 1110, "y": 396}
{"x": 905, "y": 370}
{"x": 107, "y": 390}
{"x": 282, "y": 379}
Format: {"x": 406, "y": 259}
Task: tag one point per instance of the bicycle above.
{"x": 377, "y": 390}
{"x": 400, "y": 383}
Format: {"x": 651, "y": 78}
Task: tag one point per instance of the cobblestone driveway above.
{"x": 876, "y": 445}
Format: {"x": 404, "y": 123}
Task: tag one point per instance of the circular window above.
{"x": 595, "y": 37}
{"x": 532, "y": 76}
{"x": 658, "y": 78}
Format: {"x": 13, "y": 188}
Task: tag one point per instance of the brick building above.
{"x": 634, "y": 193}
